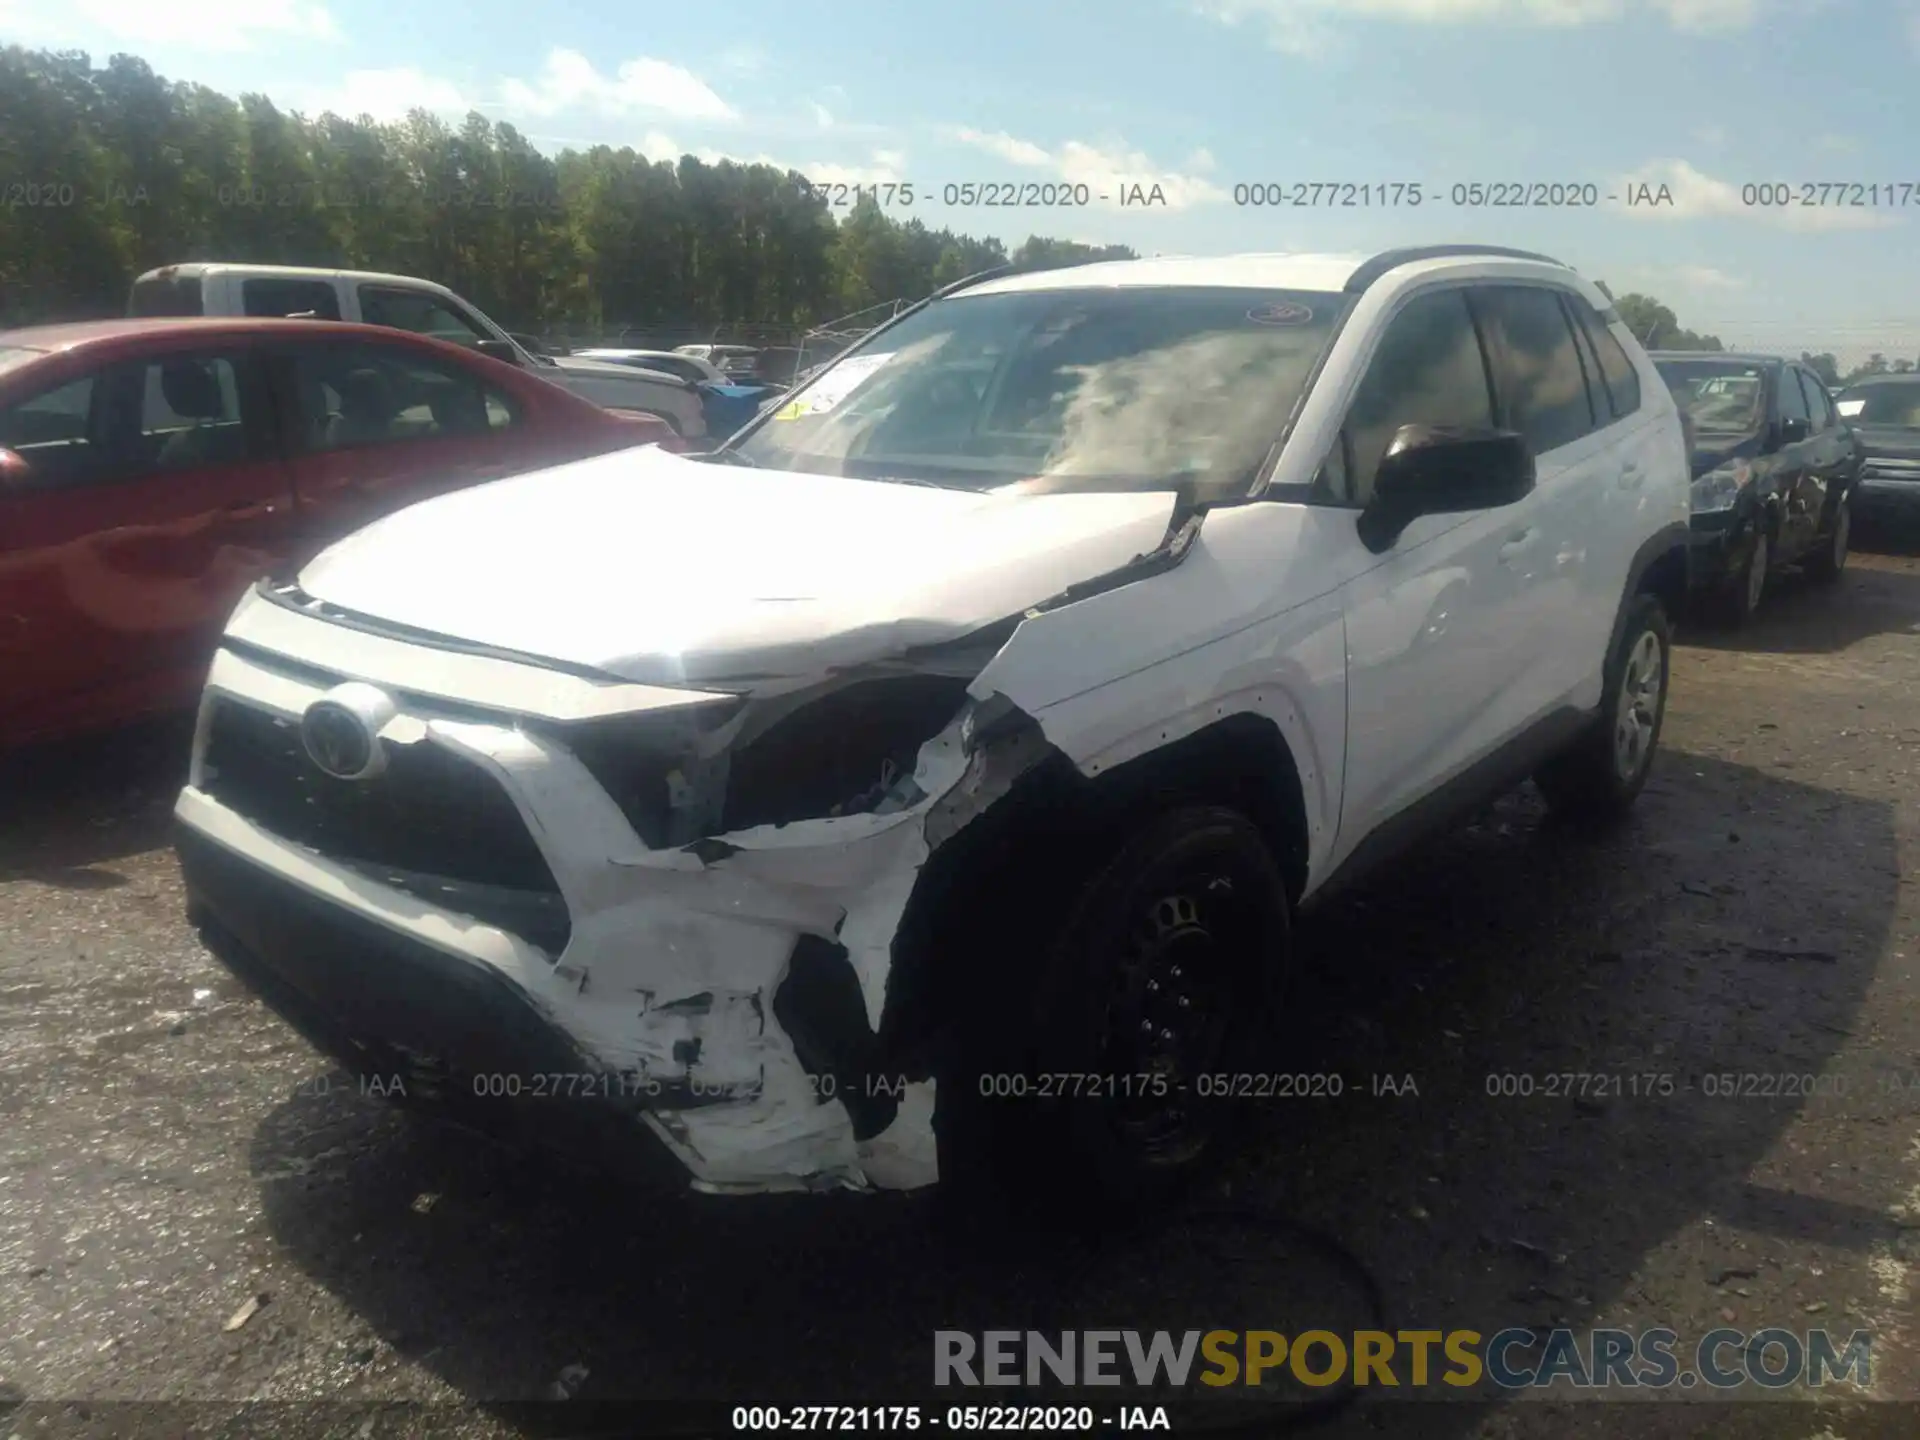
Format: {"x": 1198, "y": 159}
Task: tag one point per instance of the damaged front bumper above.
{"x": 540, "y": 968}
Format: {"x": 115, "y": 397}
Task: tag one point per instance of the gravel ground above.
{"x": 169, "y": 1151}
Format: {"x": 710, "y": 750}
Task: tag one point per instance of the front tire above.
{"x": 1739, "y": 598}
{"x": 1597, "y": 779}
{"x": 1169, "y": 969}
{"x": 1826, "y": 565}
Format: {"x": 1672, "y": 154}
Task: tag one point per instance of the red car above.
{"x": 151, "y": 469}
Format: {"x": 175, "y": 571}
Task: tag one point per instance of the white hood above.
{"x": 661, "y": 569}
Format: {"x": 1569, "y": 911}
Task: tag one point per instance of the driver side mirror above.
{"x": 498, "y": 350}
{"x": 1794, "y": 429}
{"x": 1443, "y": 470}
{"x": 13, "y": 468}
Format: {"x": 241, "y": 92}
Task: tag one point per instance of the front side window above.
{"x": 1536, "y": 366}
{"x": 1428, "y": 370}
{"x": 268, "y": 296}
{"x": 1818, "y": 406}
{"x": 1722, "y": 398}
{"x": 1618, "y": 372}
{"x": 190, "y": 413}
{"x": 419, "y": 312}
{"x": 359, "y": 395}
{"x": 1127, "y": 388}
{"x": 1793, "y": 400}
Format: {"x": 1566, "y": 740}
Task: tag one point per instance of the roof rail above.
{"x": 1393, "y": 259}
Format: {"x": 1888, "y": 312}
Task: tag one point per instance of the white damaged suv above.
{"x": 924, "y": 781}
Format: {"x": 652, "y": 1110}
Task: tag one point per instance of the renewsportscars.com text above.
{"x": 1514, "y": 1359}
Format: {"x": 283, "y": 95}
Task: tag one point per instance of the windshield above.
{"x": 1897, "y": 405}
{"x": 1111, "y": 389}
{"x": 1723, "y": 397}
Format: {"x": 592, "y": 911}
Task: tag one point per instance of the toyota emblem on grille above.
{"x": 341, "y": 730}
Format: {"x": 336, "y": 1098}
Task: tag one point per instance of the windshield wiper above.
{"x": 728, "y": 457}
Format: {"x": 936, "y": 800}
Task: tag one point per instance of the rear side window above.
{"x": 165, "y": 297}
{"x": 1536, "y": 366}
{"x": 1616, "y": 369}
{"x": 1429, "y": 370}
{"x": 270, "y": 297}
{"x": 358, "y": 395}
{"x": 178, "y": 413}
{"x": 50, "y": 432}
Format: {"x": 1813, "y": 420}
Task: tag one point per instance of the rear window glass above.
{"x": 165, "y": 297}
{"x": 14, "y": 356}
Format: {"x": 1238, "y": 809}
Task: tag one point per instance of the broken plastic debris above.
{"x": 424, "y": 1201}
{"x": 202, "y": 996}
{"x": 246, "y": 1312}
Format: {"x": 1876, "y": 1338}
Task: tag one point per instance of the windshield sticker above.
{"x": 1281, "y": 313}
{"x": 833, "y": 387}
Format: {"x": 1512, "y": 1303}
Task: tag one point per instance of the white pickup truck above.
{"x": 406, "y": 303}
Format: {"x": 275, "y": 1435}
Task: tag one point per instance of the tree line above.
{"x": 106, "y": 172}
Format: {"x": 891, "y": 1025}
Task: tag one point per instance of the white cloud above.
{"x": 1696, "y": 195}
{"x": 388, "y": 95}
{"x": 1201, "y": 160}
{"x": 1706, "y": 277}
{"x": 569, "y": 82}
{"x": 822, "y": 116}
{"x": 998, "y": 142}
{"x": 1709, "y": 17}
{"x": 1913, "y": 29}
{"x": 1105, "y": 171}
{"x": 224, "y": 25}
{"x": 885, "y": 166}
{"x": 1306, "y": 27}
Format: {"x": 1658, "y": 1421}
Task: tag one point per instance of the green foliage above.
{"x": 105, "y": 173}
{"x": 1657, "y": 327}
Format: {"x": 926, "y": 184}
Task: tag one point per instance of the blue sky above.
{"x": 1196, "y": 96}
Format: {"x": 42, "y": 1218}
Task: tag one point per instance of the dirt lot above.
{"x": 168, "y": 1149}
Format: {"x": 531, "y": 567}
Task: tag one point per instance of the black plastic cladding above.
{"x": 1387, "y": 260}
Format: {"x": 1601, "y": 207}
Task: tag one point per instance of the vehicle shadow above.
{"x": 75, "y": 806}
{"x": 1799, "y": 617}
{"x": 1513, "y": 948}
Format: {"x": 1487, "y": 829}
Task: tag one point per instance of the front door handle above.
{"x": 1518, "y": 544}
{"x": 1631, "y": 475}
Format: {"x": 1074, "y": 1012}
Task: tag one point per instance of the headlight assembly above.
{"x": 1719, "y": 488}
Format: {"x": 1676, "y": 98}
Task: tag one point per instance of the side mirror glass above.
{"x": 1444, "y": 470}
{"x": 498, "y": 350}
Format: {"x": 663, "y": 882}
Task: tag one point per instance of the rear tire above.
{"x": 1597, "y": 778}
{"x": 1826, "y": 565}
{"x": 1170, "y": 968}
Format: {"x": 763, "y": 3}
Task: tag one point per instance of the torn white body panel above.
{"x": 669, "y": 975}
